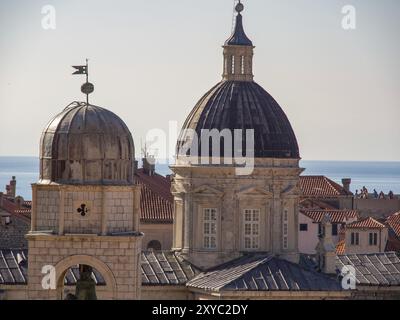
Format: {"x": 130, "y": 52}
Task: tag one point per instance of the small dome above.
{"x": 245, "y": 105}
{"x": 86, "y": 144}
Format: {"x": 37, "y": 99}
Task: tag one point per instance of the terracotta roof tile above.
{"x": 337, "y": 216}
{"x": 315, "y": 204}
{"x": 367, "y": 223}
{"x": 394, "y": 223}
{"x": 156, "y": 200}
{"x": 341, "y": 247}
{"x": 321, "y": 186}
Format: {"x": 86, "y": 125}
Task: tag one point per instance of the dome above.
{"x": 245, "y": 105}
{"x": 86, "y": 144}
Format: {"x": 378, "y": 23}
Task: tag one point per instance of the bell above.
{"x": 85, "y": 286}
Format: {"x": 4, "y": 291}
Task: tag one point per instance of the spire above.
{"x": 239, "y": 37}
{"x": 238, "y": 52}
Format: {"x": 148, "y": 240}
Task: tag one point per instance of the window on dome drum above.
{"x": 233, "y": 64}
{"x": 373, "y": 239}
{"x": 154, "y": 245}
{"x": 210, "y": 219}
{"x": 285, "y": 229}
{"x": 303, "y": 227}
{"x": 251, "y": 229}
{"x": 242, "y": 64}
{"x": 355, "y": 238}
{"x": 334, "y": 229}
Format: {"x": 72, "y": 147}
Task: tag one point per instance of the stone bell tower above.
{"x": 85, "y": 209}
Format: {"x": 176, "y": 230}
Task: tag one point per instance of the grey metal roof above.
{"x": 379, "y": 269}
{"x": 243, "y": 105}
{"x": 13, "y": 266}
{"x": 263, "y": 272}
{"x": 14, "y": 269}
{"x": 165, "y": 268}
{"x": 239, "y": 37}
{"x": 86, "y": 144}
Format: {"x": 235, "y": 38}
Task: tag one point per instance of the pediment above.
{"x": 290, "y": 190}
{"x": 254, "y": 191}
{"x": 207, "y": 190}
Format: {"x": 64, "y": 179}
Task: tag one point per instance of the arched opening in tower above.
{"x": 83, "y": 282}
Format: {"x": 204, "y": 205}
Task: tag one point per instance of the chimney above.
{"x": 19, "y": 201}
{"x": 5, "y": 219}
{"x": 13, "y": 187}
{"x": 346, "y": 184}
{"x": 149, "y": 166}
{"x": 326, "y": 250}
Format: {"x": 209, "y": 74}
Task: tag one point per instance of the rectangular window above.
{"x": 210, "y": 228}
{"x": 373, "y": 239}
{"x": 303, "y": 227}
{"x": 251, "y": 229}
{"x": 334, "y": 229}
{"x": 355, "y": 238}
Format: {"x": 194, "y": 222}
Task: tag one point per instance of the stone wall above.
{"x": 161, "y": 232}
{"x": 116, "y": 258}
{"x": 108, "y": 209}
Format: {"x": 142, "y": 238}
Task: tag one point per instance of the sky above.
{"x": 151, "y": 61}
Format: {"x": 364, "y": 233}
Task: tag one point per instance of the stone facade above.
{"x": 159, "y": 232}
{"x": 116, "y": 258}
{"x": 363, "y": 245}
{"x": 91, "y": 225}
{"x": 272, "y": 189}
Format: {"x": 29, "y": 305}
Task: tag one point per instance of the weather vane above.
{"x": 87, "y": 88}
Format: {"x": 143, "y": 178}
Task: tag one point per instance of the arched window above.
{"x": 233, "y": 64}
{"x": 154, "y": 245}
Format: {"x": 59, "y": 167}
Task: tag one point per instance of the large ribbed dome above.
{"x": 245, "y": 105}
{"x": 238, "y": 103}
{"x": 86, "y": 144}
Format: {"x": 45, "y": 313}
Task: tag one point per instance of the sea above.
{"x": 382, "y": 176}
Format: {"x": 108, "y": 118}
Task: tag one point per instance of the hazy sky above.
{"x": 152, "y": 60}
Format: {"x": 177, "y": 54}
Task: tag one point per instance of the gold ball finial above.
{"x": 239, "y": 7}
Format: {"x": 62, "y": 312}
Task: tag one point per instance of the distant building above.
{"x": 310, "y": 227}
{"x": 393, "y": 223}
{"x": 323, "y": 189}
{"x": 366, "y": 236}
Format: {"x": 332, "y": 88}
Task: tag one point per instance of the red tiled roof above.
{"x": 321, "y": 186}
{"x": 394, "y": 223}
{"x": 11, "y": 207}
{"x": 28, "y": 204}
{"x": 341, "y": 247}
{"x": 367, "y": 223}
{"x": 337, "y": 216}
{"x": 156, "y": 200}
{"x": 315, "y": 204}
